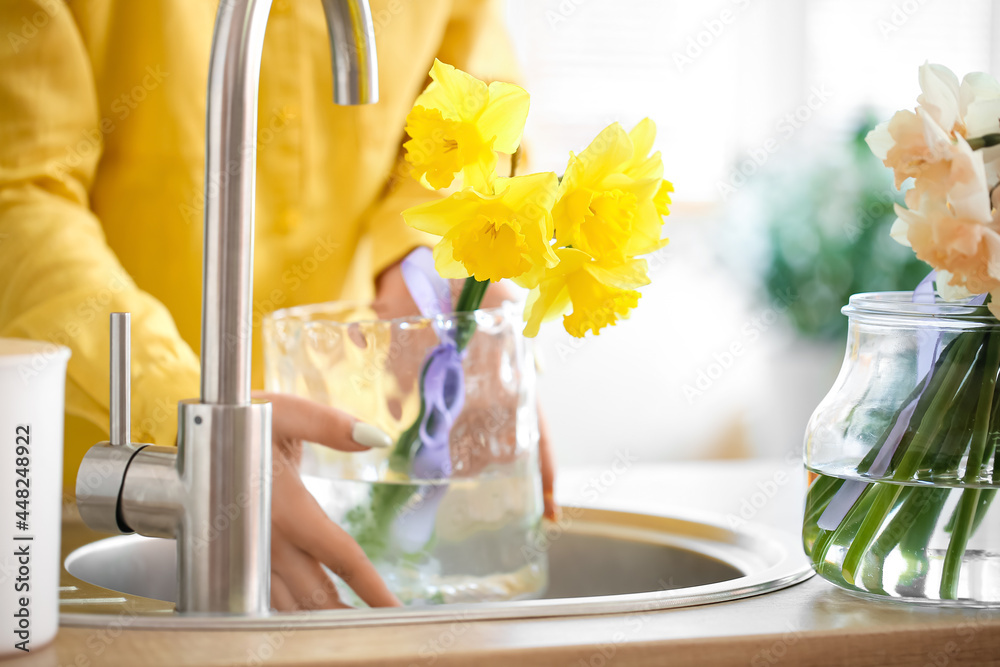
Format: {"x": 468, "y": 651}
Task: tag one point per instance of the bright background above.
{"x": 719, "y": 90}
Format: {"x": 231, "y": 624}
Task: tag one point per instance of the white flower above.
{"x": 914, "y": 143}
{"x": 948, "y": 291}
{"x": 969, "y": 109}
{"x": 950, "y": 197}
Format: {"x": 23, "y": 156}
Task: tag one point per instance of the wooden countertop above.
{"x": 812, "y": 623}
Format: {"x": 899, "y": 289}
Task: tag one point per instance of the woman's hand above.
{"x": 303, "y": 538}
{"x": 393, "y": 300}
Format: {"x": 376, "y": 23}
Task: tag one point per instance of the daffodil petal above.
{"x": 570, "y": 259}
{"x": 445, "y": 263}
{"x": 504, "y": 116}
{"x": 457, "y": 94}
{"x": 648, "y": 168}
{"x": 642, "y": 189}
{"x": 647, "y": 228}
{"x": 605, "y": 155}
{"x": 900, "y": 232}
{"x": 568, "y": 215}
{"x": 544, "y": 303}
{"x": 440, "y": 216}
{"x": 628, "y": 275}
{"x": 662, "y": 199}
{"x": 642, "y": 137}
{"x": 531, "y": 192}
{"x": 879, "y": 140}
{"x": 481, "y": 175}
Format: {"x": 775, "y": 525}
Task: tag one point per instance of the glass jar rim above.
{"x": 306, "y": 314}
{"x": 901, "y": 305}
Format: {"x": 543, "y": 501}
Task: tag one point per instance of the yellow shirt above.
{"x": 102, "y": 148}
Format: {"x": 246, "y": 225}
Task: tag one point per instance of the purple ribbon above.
{"x": 429, "y": 291}
{"x": 444, "y": 395}
{"x": 443, "y": 384}
{"x": 443, "y": 392}
{"x": 928, "y": 351}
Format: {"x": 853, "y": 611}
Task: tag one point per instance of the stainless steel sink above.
{"x": 603, "y": 562}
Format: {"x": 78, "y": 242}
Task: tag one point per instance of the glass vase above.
{"x": 463, "y": 532}
{"x": 902, "y": 453}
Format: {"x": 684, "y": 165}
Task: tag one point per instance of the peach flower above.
{"x": 919, "y": 144}
{"x": 965, "y": 250}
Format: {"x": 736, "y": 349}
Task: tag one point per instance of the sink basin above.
{"x": 601, "y": 562}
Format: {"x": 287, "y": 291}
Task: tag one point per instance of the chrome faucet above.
{"x": 213, "y": 491}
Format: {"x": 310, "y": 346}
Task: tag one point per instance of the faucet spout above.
{"x": 213, "y": 492}
{"x": 352, "y": 49}
{"x": 230, "y": 167}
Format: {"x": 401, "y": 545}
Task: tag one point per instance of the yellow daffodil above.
{"x": 600, "y": 292}
{"x": 458, "y": 122}
{"x": 493, "y": 236}
{"x": 613, "y": 196}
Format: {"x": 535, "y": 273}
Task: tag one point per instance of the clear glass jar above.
{"x": 463, "y": 532}
{"x": 902, "y": 454}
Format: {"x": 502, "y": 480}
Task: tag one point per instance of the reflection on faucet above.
{"x": 212, "y": 493}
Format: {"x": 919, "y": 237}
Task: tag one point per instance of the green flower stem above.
{"x": 913, "y": 545}
{"x": 472, "y": 295}
{"x": 980, "y": 434}
{"x": 371, "y": 529}
{"x": 985, "y": 500}
{"x": 888, "y": 538}
{"x": 963, "y": 356}
{"x": 985, "y": 141}
{"x": 842, "y": 534}
{"x": 816, "y": 540}
{"x": 924, "y": 437}
{"x": 964, "y": 515}
{"x": 918, "y": 508}
{"x": 955, "y": 348}
{"x": 967, "y": 505}
{"x": 987, "y": 495}
{"x": 919, "y": 511}
{"x": 469, "y": 300}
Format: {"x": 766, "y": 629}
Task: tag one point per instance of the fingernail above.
{"x": 367, "y": 435}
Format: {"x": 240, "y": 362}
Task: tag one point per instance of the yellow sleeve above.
{"x": 59, "y": 280}
{"x": 476, "y": 41}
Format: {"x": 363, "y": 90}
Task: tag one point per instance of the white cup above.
{"x": 32, "y": 391}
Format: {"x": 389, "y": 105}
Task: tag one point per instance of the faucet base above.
{"x": 224, "y": 533}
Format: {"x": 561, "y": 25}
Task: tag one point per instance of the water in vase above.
{"x": 938, "y": 540}
{"x": 464, "y": 539}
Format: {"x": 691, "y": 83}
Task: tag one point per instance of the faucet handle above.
{"x": 102, "y": 471}
{"x": 121, "y": 379}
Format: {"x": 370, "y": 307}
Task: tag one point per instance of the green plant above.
{"x": 827, "y": 226}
